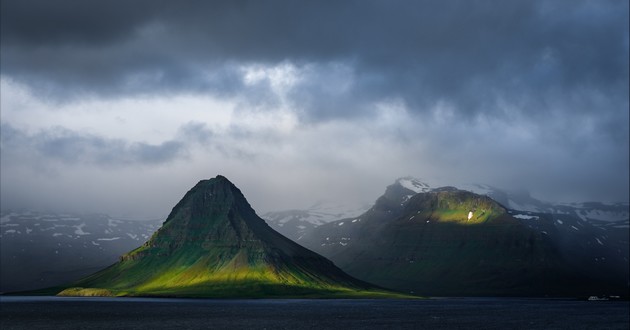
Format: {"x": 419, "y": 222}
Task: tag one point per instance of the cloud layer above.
{"x": 530, "y": 94}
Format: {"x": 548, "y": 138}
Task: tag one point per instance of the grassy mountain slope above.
{"x": 427, "y": 244}
{"x": 214, "y": 245}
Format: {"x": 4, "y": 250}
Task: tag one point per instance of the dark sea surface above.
{"x": 445, "y": 313}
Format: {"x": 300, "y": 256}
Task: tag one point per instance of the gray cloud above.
{"x": 70, "y": 147}
{"x": 197, "y": 132}
{"x": 534, "y": 92}
{"x": 478, "y": 55}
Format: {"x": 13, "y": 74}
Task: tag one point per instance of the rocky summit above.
{"x": 214, "y": 245}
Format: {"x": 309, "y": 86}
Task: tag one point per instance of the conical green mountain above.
{"x": 214, "y": 245}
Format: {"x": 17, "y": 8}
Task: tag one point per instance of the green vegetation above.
{"x": 456, "y": 206}
{"x": 429, "y": 246}
{"x": 236, "y": 289}
{"x": 86, "y": 292}
{"x": 181, "y": 276}
{"x": 214, "y": 245}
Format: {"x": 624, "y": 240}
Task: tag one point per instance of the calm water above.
{"x": 451, "y": 313}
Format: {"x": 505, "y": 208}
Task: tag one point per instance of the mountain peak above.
{"x": 213, "y": 244}
{"x": 212, "y": 195}
{"x": 414, "y": 184}
{"x": 219, "y": 180}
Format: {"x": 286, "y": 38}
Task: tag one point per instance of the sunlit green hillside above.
{"x": 214, "y": 245}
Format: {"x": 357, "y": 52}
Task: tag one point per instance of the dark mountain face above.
{"x": 43, "y": 249}
{"x": 449, "y": 242}
{"x": 213, "y": 244}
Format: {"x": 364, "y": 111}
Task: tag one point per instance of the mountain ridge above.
{"x": 213, "y": 244}
{"x": 425, "y": 242}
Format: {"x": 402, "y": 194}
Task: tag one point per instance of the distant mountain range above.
{"x": 296, "y": 223}
{"x": 45, "y": 249}
{"x": 512, "y": 244}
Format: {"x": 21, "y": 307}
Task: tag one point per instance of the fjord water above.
{"x": 448, "y": 313}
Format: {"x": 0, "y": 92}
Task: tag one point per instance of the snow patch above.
{"x": 414, "y": 185}
{"x": 405, "y": 199}
{"x": 341, "y": 224}
{"x": 526, "y": 217}
{"x": 559, "y": 221}
{"x": 479, "y": 189}
{"x": 108, "y": 239}
{"x": 113, "y": 223}
{"x": 6, "y": 218}
{"x": 79, "y": 230}
{"x": 522, "y": 207}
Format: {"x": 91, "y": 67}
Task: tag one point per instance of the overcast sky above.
{"x": 122, "y": 106}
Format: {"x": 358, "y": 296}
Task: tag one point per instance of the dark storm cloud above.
{"x": 69, "y": 147}
{"x": 534, "y": 92}
{"x": 535, "y": 56}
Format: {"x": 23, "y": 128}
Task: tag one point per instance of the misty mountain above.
{"x": 295, "y": 223}
{"x": 214, "y": 245}
{"x": 447, "y": 241}
{"x": 593, "y": 212}
{"x": 45, "y": 249}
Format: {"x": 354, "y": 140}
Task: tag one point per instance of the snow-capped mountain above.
{"x": 44, "y": 249}
{"x": 522, "y": 201}
{"x": 593, "y": 212}
{"x": 596, "y": 229}
{"x": 414, "y": 184}
{"x": 294, "y": 223}
{"x": 409, "y": 241}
